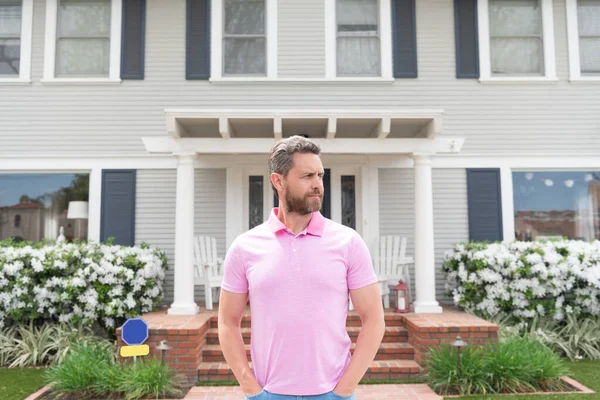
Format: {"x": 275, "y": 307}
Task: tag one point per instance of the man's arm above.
{"x": 231, "y": 310}
{"x": 367, "y": 302}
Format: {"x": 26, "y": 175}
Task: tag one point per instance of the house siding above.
{"x": 397, "y": 210}
{"x": 109, "y": 120}
{"x": 155, "y": 213}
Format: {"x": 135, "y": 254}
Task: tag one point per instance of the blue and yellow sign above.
{"x": 134, "y": 333}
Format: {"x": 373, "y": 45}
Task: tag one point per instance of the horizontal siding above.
{"x": 110, "y": 120}
{"x": 155, "y": 213}
{"x": 301, "y": 38}
{"x": 397, "y": 210}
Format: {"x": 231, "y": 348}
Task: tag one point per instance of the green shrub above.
{"x": 147, "y": 377}
{"x": 45, "y": 344}
{"x": 518, "y": 365}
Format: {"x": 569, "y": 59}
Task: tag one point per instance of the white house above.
{"x": 440, "y": 120}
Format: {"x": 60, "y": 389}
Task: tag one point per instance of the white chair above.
{"x": 208, "y": 268}
{"x": 390, "y": 264}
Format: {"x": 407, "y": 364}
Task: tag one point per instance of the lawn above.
{"x": 18, "y": 383}
{"x": 585, "y": 372}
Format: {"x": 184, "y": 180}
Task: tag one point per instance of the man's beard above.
{"x": 304, "y": 205}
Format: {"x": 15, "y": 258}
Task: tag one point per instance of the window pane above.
{"x": 358, "y": 16}
{"x": 556, "y": 204}
{"x": 516, "y": 56}
{"x": 256, "y": 201}
{"x": 588, "y": 13}
{"x": 84, "y": 19}
{"x": 515, "y": 18}
{"x": 10, "y": 20}
{"x": 358, "y": 56}
{"x": 34, "y": 206}
{"x": 589, "y": 53}
{"x": 245, "y": 56}
{"x": 10, "y": 55}
{"x": 349, "y": 201}
{"x": 244, "y": 17}
{"x": 82, "y": 57}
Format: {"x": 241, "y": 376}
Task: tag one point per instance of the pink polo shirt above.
{"x": 298, "y": 290}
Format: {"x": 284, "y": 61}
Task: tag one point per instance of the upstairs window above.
{"x": 10, "y": 37}
{"x": 358, "y": 45}
{"x": 244, "y": 38}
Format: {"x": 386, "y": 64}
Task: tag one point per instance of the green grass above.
{"x": 585, "y": 372}
{"x": 18, "y": 383}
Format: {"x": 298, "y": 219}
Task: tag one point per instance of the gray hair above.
{"x": 281, "y": 157}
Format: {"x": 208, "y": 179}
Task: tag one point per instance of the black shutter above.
{"x": 133, "y": 39}
{"x": 197, "y": 65}
{"x": 484, "y": 204}
{"x": 117, "y": 215}
{"x": 467, "y": 45}
{"x": 404, "y": 38}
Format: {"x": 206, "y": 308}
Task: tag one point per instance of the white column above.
{"x": 424, "y": 246}
{"x": 184, "y": 303}
{"x": 235, "y": 204}
{"x": 95, "y": 197}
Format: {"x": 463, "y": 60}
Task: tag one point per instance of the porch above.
{"x": 354, "y": 145}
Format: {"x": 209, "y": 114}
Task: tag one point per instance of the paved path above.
{"x": 363, "y": 392}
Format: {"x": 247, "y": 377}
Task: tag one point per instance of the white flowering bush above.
{"x": 79, "y": 282}
{"x": 525, "y": 279}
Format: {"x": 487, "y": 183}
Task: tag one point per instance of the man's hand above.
{"x": 252, "y": 391}
{"x": 343, "y": 391}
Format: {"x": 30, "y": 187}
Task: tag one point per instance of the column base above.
{"x": 183, "y": 309}
{"x": 432, "y": 307}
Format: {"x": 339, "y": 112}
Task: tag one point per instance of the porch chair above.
{"x": 390, "y": 264}
{"x": 208, "y": 268}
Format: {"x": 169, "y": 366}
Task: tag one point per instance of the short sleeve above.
{"x": 234, "y": 271}
{"x": 360, "y": 267}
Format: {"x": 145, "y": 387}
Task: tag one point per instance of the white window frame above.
{"x": 257, "y": 170}
{"x": 385, "y": 39}
{"x": 25, "y": 56}
{"x": 216, "y": 44}
{"x": 485, "y": 53}
{"x": 114, "y": 75}
{"x": 573, "y": 35}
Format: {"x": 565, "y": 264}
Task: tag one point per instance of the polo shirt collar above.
{"x": 315, "y": 227}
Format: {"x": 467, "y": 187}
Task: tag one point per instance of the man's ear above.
{"x": 276, "y": 180}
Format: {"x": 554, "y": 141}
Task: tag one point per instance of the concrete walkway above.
{"x": 363, "y": 392}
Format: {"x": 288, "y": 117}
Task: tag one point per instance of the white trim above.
{"x": 255, "y": 170}
{"x": 370, "y": 204}
{"x": 262, "y": 80}
{"x": 336, "y": 192}
{"x": 573, "y": 40}
{"x": 508, "y": 212}
{"x": 50, "y": 47}
{"x": 80, "y": 81}
{"x": 485, "y": 52}
{"x": 336, "y": 146}
{"x": 216, "y": 45}
{"x": 95, "y": 200}
{"x": 385, "y": 43}
{"x": 234, "y": 200}
{"x": 25, "y": 51}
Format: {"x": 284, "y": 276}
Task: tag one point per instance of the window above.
{"x": 244, "y": 38}
{"x": 556, "y": 205}
{"x": 83, "y": 40}
{"x": 583, "y": 18}
{"x": 35, "y": 206}
{"x": 357, "y": 38}
{"x": 15, "y": 39}
{"x": 256, "y": 201}
{"x": 349, "y": 201}
{"x": 516, "y": 40}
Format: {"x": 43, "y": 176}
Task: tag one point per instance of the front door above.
{"x": 341, "y": 201}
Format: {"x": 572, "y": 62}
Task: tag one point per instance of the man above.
{"x": 296, "y": 269}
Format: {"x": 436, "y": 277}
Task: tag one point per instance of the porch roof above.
{"x": 349, "y": 131}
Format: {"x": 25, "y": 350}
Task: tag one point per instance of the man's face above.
{"x": 303, "y": 186}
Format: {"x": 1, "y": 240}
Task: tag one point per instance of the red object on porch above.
{"x": 402, "y": 298}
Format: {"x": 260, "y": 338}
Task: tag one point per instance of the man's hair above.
{"x": 281, "y": 157}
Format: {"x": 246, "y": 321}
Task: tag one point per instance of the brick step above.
{"x": 393, "y": 334}
{"x": 385, "y": 369}
{"x": 352, "y": 320}
{"x": 387, "y": 351}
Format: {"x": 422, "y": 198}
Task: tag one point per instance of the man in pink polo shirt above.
{"x": 297, "y": 270}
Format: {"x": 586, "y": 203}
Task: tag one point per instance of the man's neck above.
{"x": 294, "y": 222}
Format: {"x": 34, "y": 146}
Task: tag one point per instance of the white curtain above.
{"x": 10, "y": 38}
{"x": 358, "y": 48}
{"x": 588, "y": 12}
{"x": 83, "y": 38}
{"x": 516, "y": 40}
{"x": 244, "y": 38}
